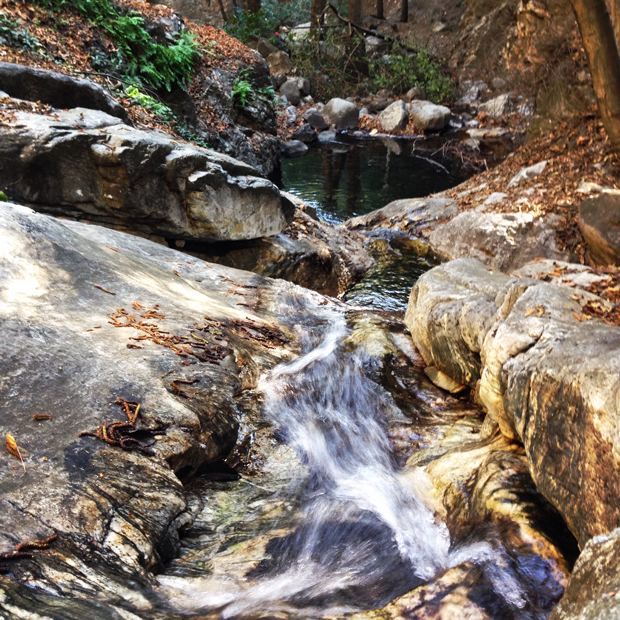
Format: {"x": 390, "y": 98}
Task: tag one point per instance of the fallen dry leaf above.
{"x": 11, "y": 446}
{"x": 537, "y": 310}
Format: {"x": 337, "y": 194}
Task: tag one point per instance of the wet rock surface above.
{"x": 88, "y": 165}
{"x": 114, "y": 316}
{"x": 545, "y": 376}
{"x": 308, "y": 252}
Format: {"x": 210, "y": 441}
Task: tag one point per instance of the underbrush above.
{"x": 338, "y": 67}
{"x": 138, "y": 57}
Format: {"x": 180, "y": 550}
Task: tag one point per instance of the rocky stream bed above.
{"x": 192, "y": 433}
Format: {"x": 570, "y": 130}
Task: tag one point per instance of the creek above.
{"x": 324, "y": 510}
{"x": 350, "y": 177}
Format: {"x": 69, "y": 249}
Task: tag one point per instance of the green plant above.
{"x": 185, "y": 131}
{"x": 137, "y": 97}
{"x": 14, "y": 36}
{"x": 242, "y": 92}
{"x": 245, "y": 89}
{"x": 3, "y": 197}
{"x": 139, "y": 56}
{"x": 244, "y": 23}
{"x": 404, "y": 69}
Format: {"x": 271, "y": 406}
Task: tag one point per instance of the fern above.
{"x": 144, "y": 60}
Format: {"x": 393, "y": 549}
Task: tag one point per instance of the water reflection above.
{"x": 343, "y": 180}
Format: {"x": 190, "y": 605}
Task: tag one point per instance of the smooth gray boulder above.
{"x": 306, "y": 134}
{"x": 428, "y": 116}
{"x": 293, "y": 148}
{"x": 395, "y": 117}
{"x": 504, "y": 241}
{"x": 58, "y": 90}
{"x": 117, "y": 512}
{"x": 87, "y": 165}
{"x": 315, "y": 119}
{"x": 341, "y": 113}
{"x": 290, "y": 90}
{"x": 544, "y": 374}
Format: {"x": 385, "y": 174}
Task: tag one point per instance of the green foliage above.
{"x": 137, "y": 97}
{"x": 336, "y": 71}
{"x": 403, "y": 70}
{"x": 14, "y": 36}
{"x": 185, "y": 131}
{"x": 245, "y": 23}
{"x": 140, "y": 57}
{"x": 245, "y": 90}
{"x": 3, "y": 197}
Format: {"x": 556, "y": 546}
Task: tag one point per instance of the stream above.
{"x": 327, "y": 509}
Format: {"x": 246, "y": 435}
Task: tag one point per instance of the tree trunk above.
{"x": 223, "y": 10}
{"x": 604, "y": 59}
{"x": 404, "y": 11}
{"x": 614, "y": 11}
{"x": 379, "y": 9}
{"x": 355, "y": 11}
{"x": 254, "y": 6}
{"x": 318, "y": 6}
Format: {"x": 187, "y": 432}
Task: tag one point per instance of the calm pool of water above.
{"x": 343, "y": 180}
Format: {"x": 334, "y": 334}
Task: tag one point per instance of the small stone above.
{"x": 327, "y": 136}
{"x": 498, "y": 83}
{"x": 528, "y": 173}
{"x": 293, "y": 148}
{"x": 290, "y": 90}
{"x": 279, "y": 62}
{"x": 315, "y": 119}
{"x": 341, "y": 113}
{"x": 498, "y": 106}
{"x": 415, "y": 93}
{"x": 291, "y": 115}
{"x": 428, "y": 116}
{"x": 305, "y": 134}
{"x": 395, "y": 117}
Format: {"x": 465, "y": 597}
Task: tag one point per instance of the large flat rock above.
{"x": 88, "y": 165}
{"x": 195, "y": 341}
{"x": 544, "y": 376}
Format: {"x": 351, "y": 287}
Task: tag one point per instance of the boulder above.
{"x": 293, "y": 148}
{"x": 415, "y": 93}
{"x": 304, "y": 85}
{"x": 306, "y": 134}
{"x": 599, "y": 222}
{"x": 498, "y": 106}
{"x": 315, "y": 119}
{"x": 376, "y": 45}
{"x": 504, "y": 241}
{"x": 592, "y": 591}
{"x": 428, "y": 116}
{"x": 58, "y": 90}
{"x": 395, "y": 117}
{"x": 279, "y": 62}
{"x": 544, "y": 376}
{"x": 117, "y": 512}
{"x": 277, "y": 79}
{"x": 341, "y": 113}
{"x": 308, "y": 252}
{"x": 87, "y": 165}
{"x": 290, "y": 90}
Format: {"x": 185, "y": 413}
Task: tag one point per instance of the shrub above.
{"x": 141, "y": 58}
{"x": 404, "y": 69}
{"x": 137, "y": 97}
{"x": 14, "y": 36}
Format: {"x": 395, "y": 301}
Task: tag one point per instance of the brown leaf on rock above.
{"x": 11, "y": 446}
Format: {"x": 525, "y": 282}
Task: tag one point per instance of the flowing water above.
{"x": 325, "y": 522}
{"x": 351, "y": 531}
